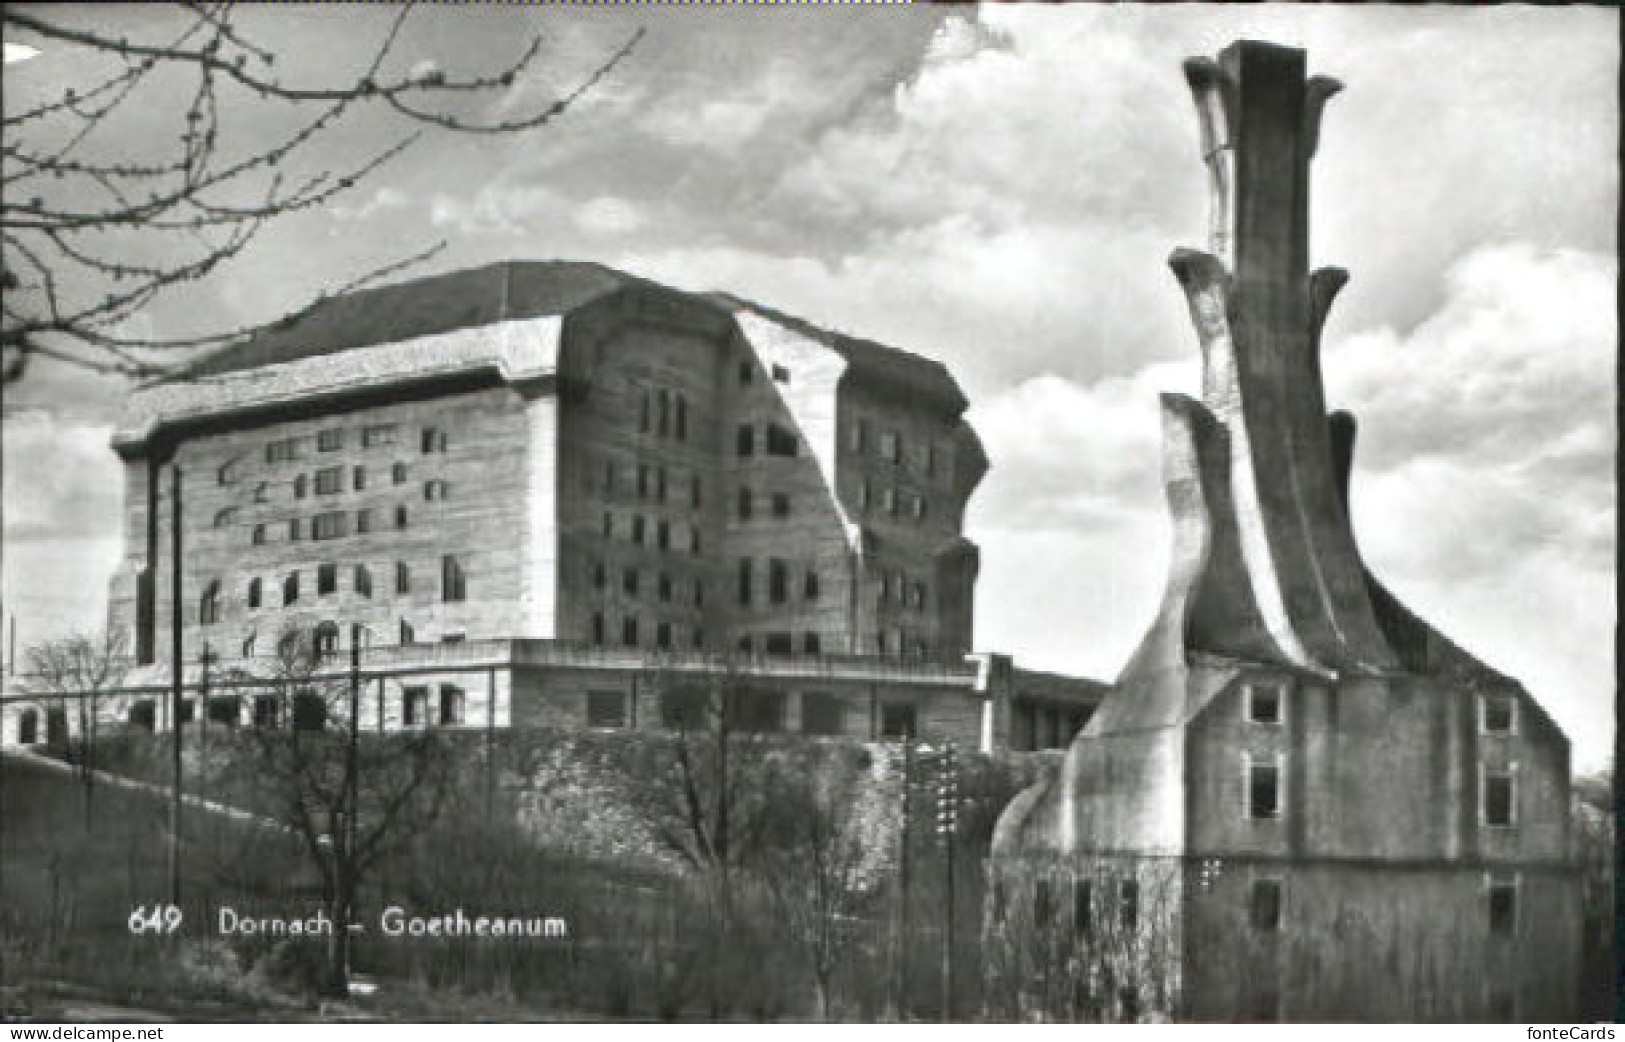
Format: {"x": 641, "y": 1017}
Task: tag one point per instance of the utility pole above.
{"x": 346, "y": 852}
{"x": 176, "y": 696}
{"x": 947, "y": 827}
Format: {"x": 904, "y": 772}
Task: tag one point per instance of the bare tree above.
{"x": 83, "y": 669}
{"x": 92, "y": 236}
{"x": 351, "y": 800}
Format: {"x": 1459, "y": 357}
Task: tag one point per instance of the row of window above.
{"x": 1264, "y": 703}
{"x": 776, "y": 441}
{"x": 680, "y": 709}
{"x": 453, "y": 586}
{"x": 747, "y": 373}
{"x": 665, "y": 587}
{"x": 895, "y": 588}
{"x": 663, "y": 413}
{"x": 778, "y": 582}
{"x": 331, "y": 524}
{"x": 892, "y": 501}
{"x": 1262, "y": 782}
{"x": 283, "y": 450}
{"x": 778, "y": 504}
{"x": 640, "y": 532}
{"x": 888, "y": 446}
{"x": 665, "y": 633}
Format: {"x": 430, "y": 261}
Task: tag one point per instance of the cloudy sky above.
{"x": 999, "y": 188}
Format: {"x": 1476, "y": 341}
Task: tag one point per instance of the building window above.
{"x": 1083, "y": 912}
{"x": 301, "y": 485}
{"x": 778, "y": 581}
{"x": 694, "y": 490}
{"x": 746, "y": 503}
{"x": 209, "y": 605}
{"x": 637, "y": 529}
{"x": 415, "y": 706}
{"x": 744, "y": 580}
{"x": 327, "y": 637}
{"x": 643, "y": 481}
{"x": 435, "y": 490}
{"x": 891, "y": 446}
{"x": 434, "y": 440}
{"x": 746, "y": 371}
{"x": 694, "y": 541}
{"x": 609, "y": 525}
{"x": 363, "y": 580}
{"x": 745, "y": 440}
{"x": 598, "y": 628}
{"x": 267, "y": 711}
{"x": 810, "y": 644}
{"x": 916, "y": 595}
{"x": 254, "y": 592}
{"x": 397, "y": 473}
{"x": 663, "y": 411}
{"x": 1263, "y": 787}
{"x": 606, "y": 709}
{"x": 780, "y": 442}
{"x": 408, "y": 634}
{"x": 897, "y": 720}
{"x": 1265, "y": 911}
{"x": 745, "y": 644}
{"x": 453, "y": 584}
{"x": 682, "y": 418}
{"x": 820, "y": 713}
{"x": 608, "y": 486}
{"x": 663, "y": 535}
{"x": 1263, "y": 702}
{"x": 400, "y": 516}
{"x": 1128, "y": 1004}
{"x": 1498, "y": 713}
{"x": 248, "y": 645}
{"x": 358, "y": 478}
{"x": 629, "y": 581}
{"x": 227, "y": 516}
{"x": 1502, "y": 895}
{"x": 451, "y": 705}
{"x": 780, "y": 643}
{"x": 363, "y": 521}
{"x": 643, "y": 413}
{"x": 860, "y": 435}
{"x": 403, "y": 577}
{"x": 663, "y": 635}
{"x": 663, "y": 587}
{"x": 327, "y": 579}
{"x": 865, "y": 495}
{"x": 598, "y": 575}
{"x": 282, "y": 450}
{"x": 228, "y": 472}
{"x": 1500, "y": 798}
{"x": 699, "y": 593}
{"x": 781, "y": 504}
{"x": 660, "y": 485}
{"x": 262, "y": 492}
{"x": 781, "y": 374}
{"x": 809, "y": 588}
{"x": 290, "y": 588}
{"x": 1128, "y": 904}
{"x": 330, "y": 440}
{"x": 629, "y": 631}
{"x": 382, "y": 434}
{"x": 258, "y": 536}
{"x": 330, "y": 525}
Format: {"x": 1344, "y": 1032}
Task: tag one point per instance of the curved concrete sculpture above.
{"x": 1285, "y": 722}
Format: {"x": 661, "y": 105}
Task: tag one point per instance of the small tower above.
{"x": 1299, "y": 801}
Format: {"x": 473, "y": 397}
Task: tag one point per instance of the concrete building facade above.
{"x": 1299, "y": 801}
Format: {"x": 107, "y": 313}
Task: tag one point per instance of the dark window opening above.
{"x": 744, "y": 581}
{"x": 1498, "y": 791}
{"x": 327, "y": 579}
{"x": 745, "y": 372}
{"x": 309, "y": 712}
{"x": 415, "y": 706}
{"x": 780, "y": 643}
{"x": 663, "y": 635}
{"x": 451, "y": 705}
{"x": 142, "y": 715}
{"x": 403, "y": 577}
{"x": 225, "y": 709}
{"x": 897, "y": 720}
{"x": 327, "y": 639}
{"x": 329, "y": 440}
{"x": 606, "y": 709}
{"x": 629, "y": 581}
{"x": 746, "y": 504}
{"x": 1503, "y": 906}
{"x": 1041, "y": 902}
{"x": 598, "y": 628}
{"x": 682, "y": 418}
{"x": 329, "y": 480}
{"x": 811, "y": 644}
{"x": 781, "y": 374}
{"x": 781, "y": 505}
{"x": 1265, "y": 913}
{"x": 258, "y": 537}
{"x": 1263, "y": 790}
{"x": 1264, "y": 703}
{"x": 453, "y": 583}
{"x": 780, "y": 442}
{"x": 209, "y": 605}
{"x": 778, "y": 581}
{"x": 267, "y": 711}
{"x": 745, "y": 440}
{"x": 1499, "y": 713}
{"x": 290, "y": 588}
{"x": 758, "y": 711}
{"x": 363, "y": 580}
{"x": 629, "y": 631}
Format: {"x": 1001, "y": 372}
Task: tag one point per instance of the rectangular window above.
{"x": 629, "y": 581}
{"x": 1500, "y": 790}
{"x": 811, "y": 644}
{"x": 637, "y": 529}
{"x": 1263, "y": 787}
{"x": 403, "y": 577}
{"x": 330, "y": 440}
{"x": 781, "y": 374}
{"x": 746, "y": 371}
{"x": 296, "y": 529}
{"x": 820, "y": 713}
{"x": 1082, "y": 907}
{"x": 663, "y": 587}
{"x": 660, "y": 485}
{"x": 451, "y": 705}
{"x": 606, "y": 709}
{"x": 329, "y": 480}
{"x": 1128, "y": 896}
{"x": 809, "y": 588}
{"x": 327, "y": 578}
{"x": 629, "y": 631}
{"x": 663, "y": 635}
{"x": 930, "y": 458}
{"x": 382, "y": 434}
{"x": 682, "y": 418}
{"x": 780, "y": 442}
{"x": 332, "y": 525}
{"x": 694, "y": 541}
{"x": 663, "y": 535}
{"x": 781, "y": 505}
{"x": 1502, "y": 896}
{"x": 415, "y": 706}
{"x": 363, "y": 521}
{"x": 865, "y": 495}
{"x": 282, "y": 450}
{"x": 780, "y": 643}
{"x": 453, "y": 583}
{"x": 694, "y": 490}
{"x": 1265, "y": 911}
{"x": 433, "y": 441}
{"x": 358, "y": 478}
{"x": 1041, "y": 901}
{"x": 397, "y": 473}
{"x": 745, "y": 440}
{"x": 744, "y": 580}
{"x": 778, "y": 581}
{"x": 643, "y": 480}
{"x": 1263, "y": 702}
{"x": 400, "y": 517}
{"x": 1498, "y": 713}
{"x": 746, "y": 504}
{"x": 919, "y": 508}
{"x": 897, "y": 720}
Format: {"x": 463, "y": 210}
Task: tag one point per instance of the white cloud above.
{"x": 608, "y": 215}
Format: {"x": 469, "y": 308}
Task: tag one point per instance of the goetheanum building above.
{"x": 1299, "y": 801}
{"x": 524, "y": 487}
